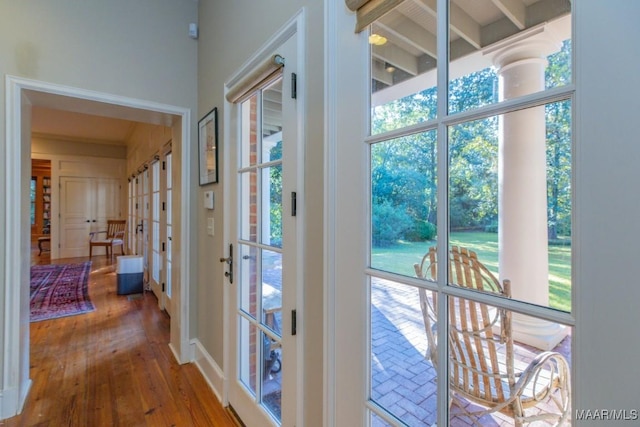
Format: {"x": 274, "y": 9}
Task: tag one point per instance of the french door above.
{"x": 156, "y": 254}
{"x": 167, "y": 237}
{"x": 142, "y": 218}
{"x": 263, "y": 257}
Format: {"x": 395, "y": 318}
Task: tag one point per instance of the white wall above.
{"x": 139, "y": 49}
{"x": 607, "y": 205}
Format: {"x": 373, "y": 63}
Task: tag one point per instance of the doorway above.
{"x": 22, "y": 96}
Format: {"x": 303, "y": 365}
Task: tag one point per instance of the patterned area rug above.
{"x": 59, "y": 290}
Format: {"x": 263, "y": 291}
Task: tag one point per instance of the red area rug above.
{"x": 59, "y": 290}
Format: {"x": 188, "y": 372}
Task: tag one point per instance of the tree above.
{"x": 403, "y": 170}
{"x": 558, "y": 118}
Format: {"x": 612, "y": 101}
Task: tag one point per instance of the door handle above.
{"x": 229, "y": 261}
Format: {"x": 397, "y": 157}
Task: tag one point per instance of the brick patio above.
{"x": 403, "y": 380}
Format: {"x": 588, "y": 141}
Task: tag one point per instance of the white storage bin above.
{"x": 129, "y": 272}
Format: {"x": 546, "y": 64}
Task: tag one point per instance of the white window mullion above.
{"x": 442, "y": 205}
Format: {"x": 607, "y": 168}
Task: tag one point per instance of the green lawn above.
{"x": 401, "y": 257}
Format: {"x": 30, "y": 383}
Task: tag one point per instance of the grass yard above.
{"x": 401, "y": 257}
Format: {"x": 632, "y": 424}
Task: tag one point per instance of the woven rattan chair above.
{"x": 113, "y": 236}
{"x": 478, "y": 371}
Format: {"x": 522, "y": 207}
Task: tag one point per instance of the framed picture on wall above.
{"x": 208, "y": 147}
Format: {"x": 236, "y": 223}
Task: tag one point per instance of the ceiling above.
{"x": 56, "y": 124}
{"x": 410, "y": 30}
{"x": 85, "y": 120}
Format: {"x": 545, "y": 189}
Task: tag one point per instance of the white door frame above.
{"x": 15, "y": 382}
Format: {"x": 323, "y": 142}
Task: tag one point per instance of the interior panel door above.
{"x": 75, "y": 216}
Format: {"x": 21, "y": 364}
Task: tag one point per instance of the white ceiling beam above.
{"x": 412, "y": 34}
{"x": 397, "y": 57}
{"x": 465, "y": 26}
{"x": 460, "y": 21}
{"x": 380, "y": 74}
{"x": 515, "y": 10}
{"x": 273, "y": 104}
{"x": 272, "y": 95}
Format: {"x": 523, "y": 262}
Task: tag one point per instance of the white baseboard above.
{"x": 209, "y": 368}
{"x": 12, "y": 401}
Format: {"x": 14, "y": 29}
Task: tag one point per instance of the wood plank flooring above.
{"x": 113, "y": 367}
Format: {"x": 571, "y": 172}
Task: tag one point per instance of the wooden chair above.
{"x": 478, "y": 372}
{"x": 114, "y": 236}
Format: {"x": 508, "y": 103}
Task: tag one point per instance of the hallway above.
{"x": 113, "y": 366}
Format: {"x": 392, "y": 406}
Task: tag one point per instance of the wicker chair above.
{"x": 478, "y": 372}
{"x": 114, "y": 236}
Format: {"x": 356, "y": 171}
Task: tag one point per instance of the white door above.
{"x": 160, "y": 231}
{"x": 85, "y": 206}
{"x": 142, "y": 215}
{"x": 75, "y": 217}
{"x": 263, "y": 372}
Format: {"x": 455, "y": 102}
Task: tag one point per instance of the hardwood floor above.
{"x": 113, "y": 367}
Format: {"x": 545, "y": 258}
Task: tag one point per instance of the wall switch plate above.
{"x": 210, "y": 226}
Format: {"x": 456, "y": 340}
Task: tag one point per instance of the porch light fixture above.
{"x": 390, "y": 68}
{"x": 377, "y": 39}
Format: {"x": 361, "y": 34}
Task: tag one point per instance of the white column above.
{"x": 522, "y": 199}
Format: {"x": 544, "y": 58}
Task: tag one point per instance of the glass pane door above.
{"x": 264, "y": 362}
{"x": 260, "y": 251}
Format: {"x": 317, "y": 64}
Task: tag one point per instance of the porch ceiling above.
{"x": 410, "y": 30}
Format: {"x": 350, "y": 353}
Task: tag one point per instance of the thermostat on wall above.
{"x": 208, "y": 199}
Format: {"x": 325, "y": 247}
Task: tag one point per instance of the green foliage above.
{"x": 421, "y": 231}
{"x": 559, "y": 148}
{"x": 389, "y": 224}
{"x": 473, "y": 90}
{"x": 403, "y": 112}
{"x": 403, "y": 170}
{"x": 491, "y": 228}
{"x": 275, "y": 197}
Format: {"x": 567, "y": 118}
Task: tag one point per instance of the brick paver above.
{"x": 403, "y": 381}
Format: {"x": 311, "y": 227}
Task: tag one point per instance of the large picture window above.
{"x": 470, "y": 213}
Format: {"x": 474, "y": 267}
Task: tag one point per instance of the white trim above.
{"x": 14, "y": 375}
{"x": 12, "y": 401}
{"x": 186, "y": 232}
{"x": 331, "y": 47}
{"x": 226, "y": 238}
{"x": 345, "y": 310}
{"x": 301, "y": 110}
{"x": 208, "y": 367}
{"x": 16, "y": 348}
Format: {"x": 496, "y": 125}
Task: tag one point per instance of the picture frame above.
{"x": 208, "y": 147}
